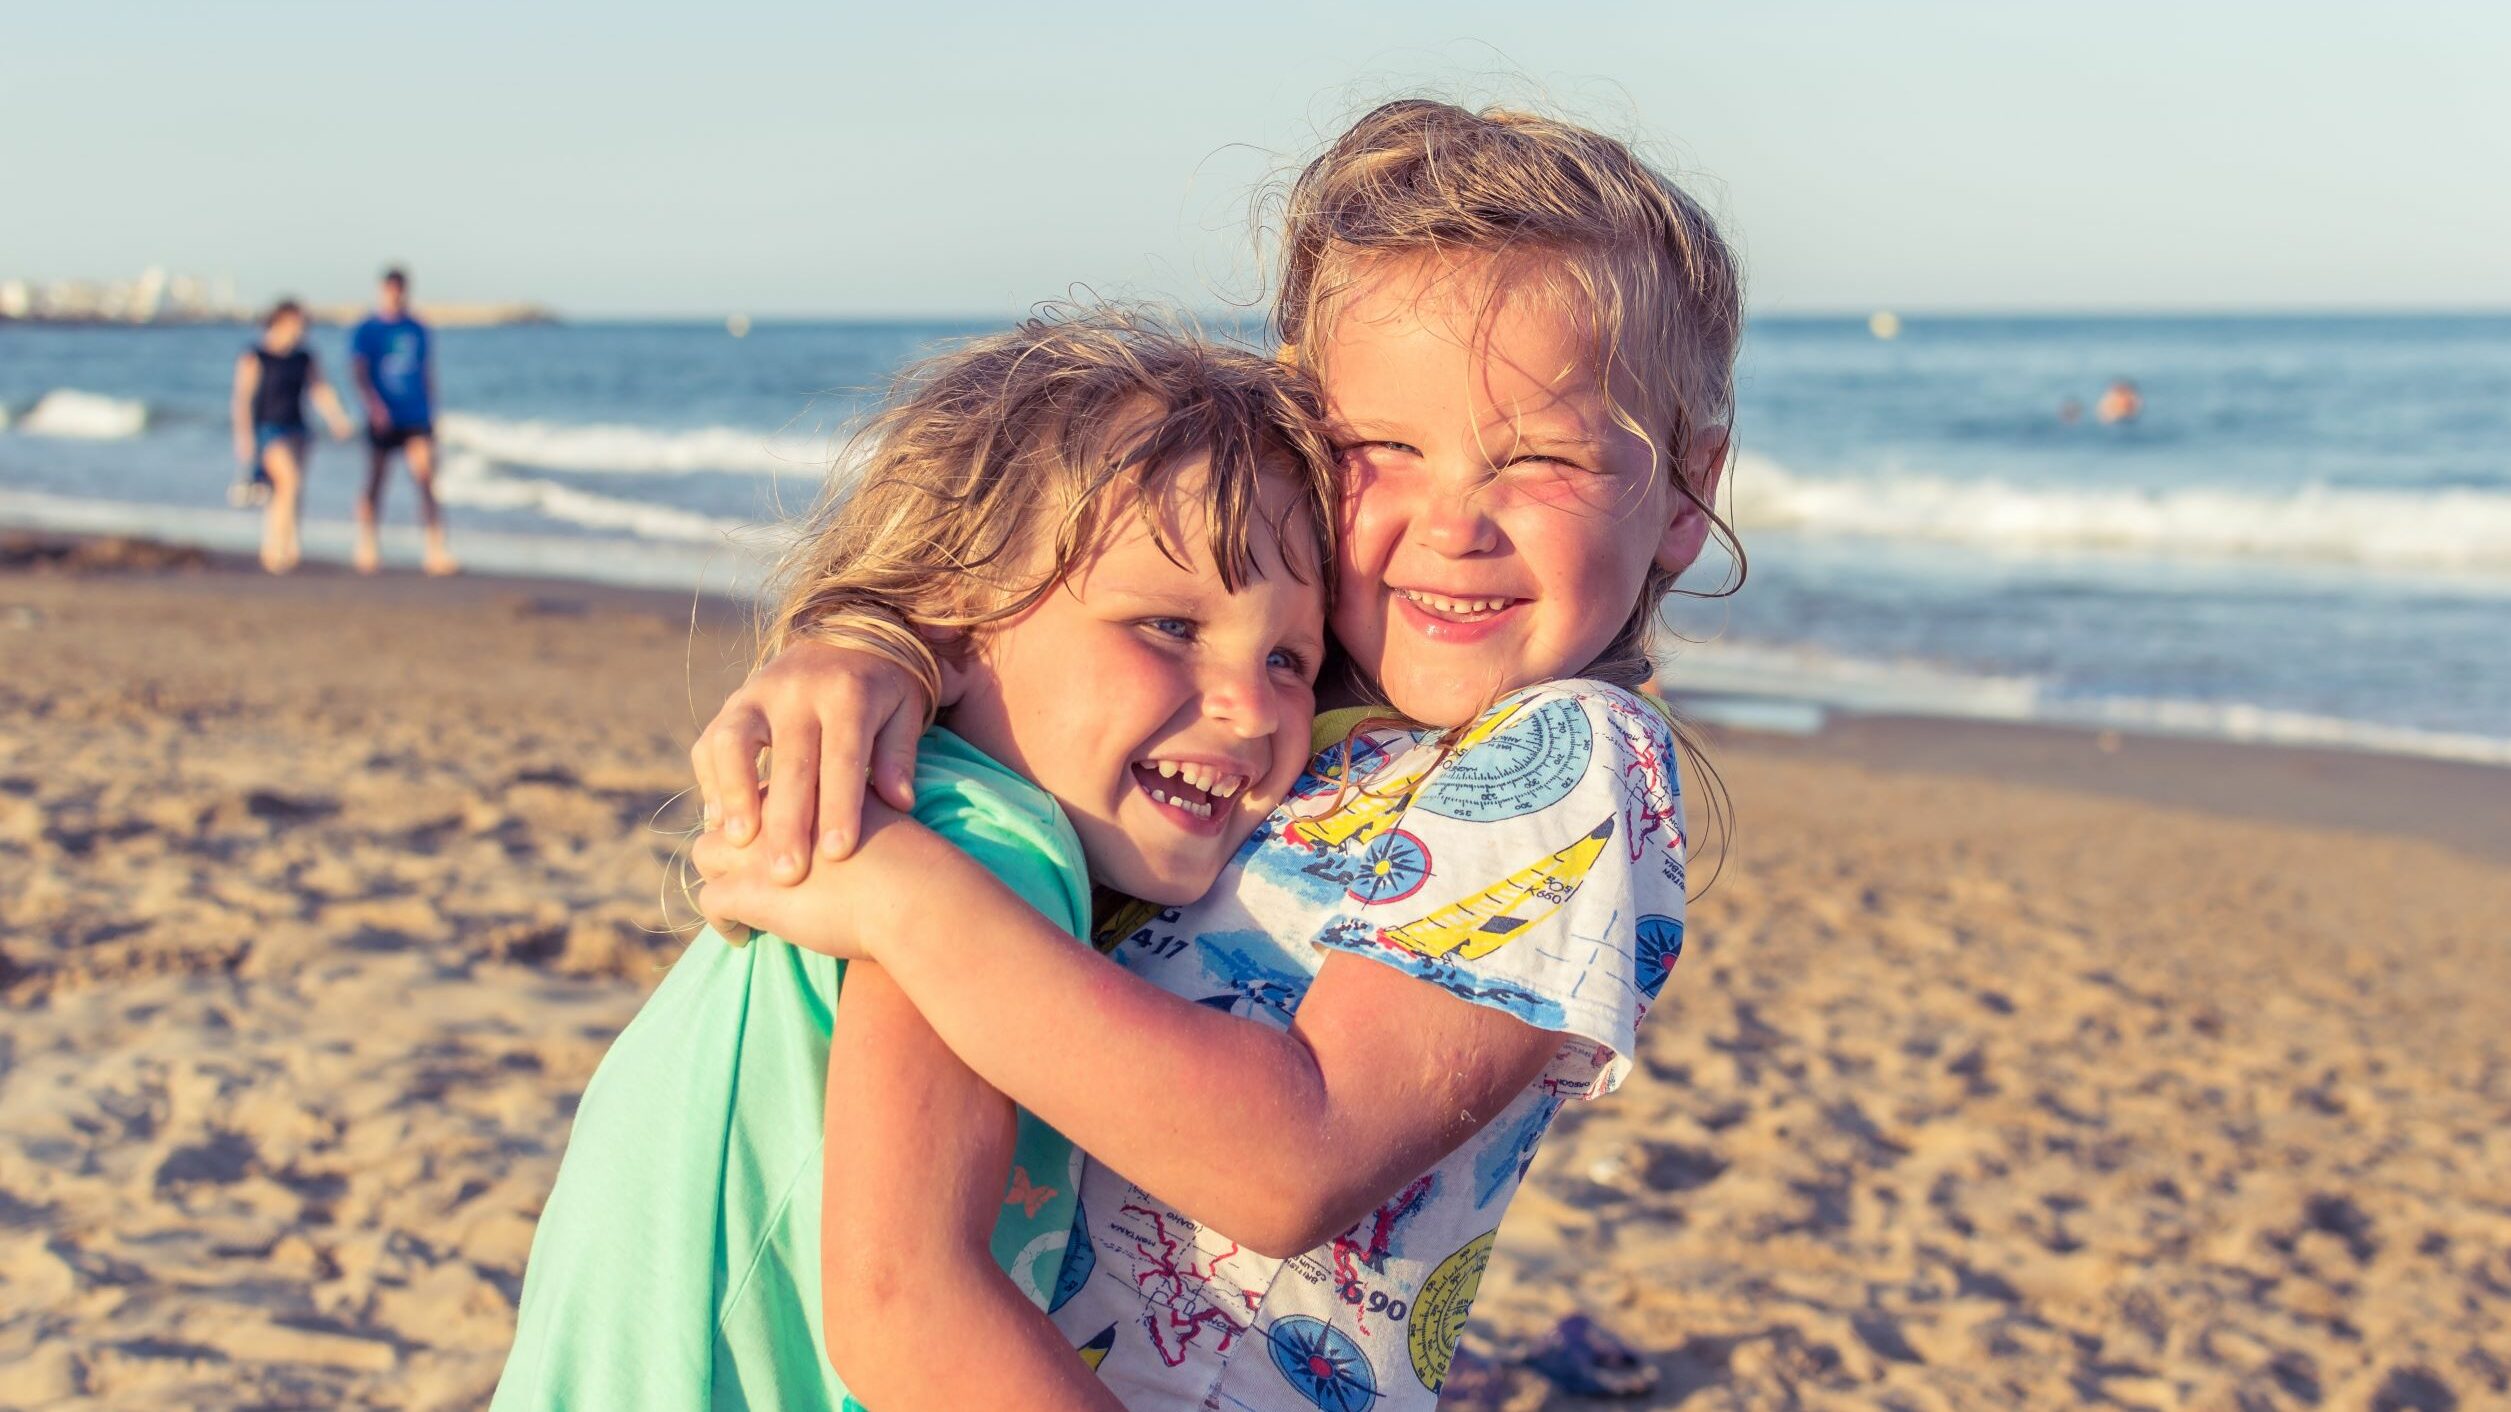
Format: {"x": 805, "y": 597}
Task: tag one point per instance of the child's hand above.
{"x": 741, "y": 894}
{"x": 831, "y": 715}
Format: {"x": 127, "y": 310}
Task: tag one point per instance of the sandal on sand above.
{"x": 1583, "y": 1360}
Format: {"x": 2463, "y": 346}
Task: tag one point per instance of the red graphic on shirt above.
{"x": 1353, "y": 1249}
{"x": 1176, "y": 1292}
{"x": 1650, "y": 802}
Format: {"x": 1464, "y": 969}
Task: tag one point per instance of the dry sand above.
{"x": 319, "y": 900}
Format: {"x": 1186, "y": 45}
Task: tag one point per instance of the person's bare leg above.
{"x": 287, "y": 485}
{"x": 369, "y": 555}
{"x": 439, "y": 560}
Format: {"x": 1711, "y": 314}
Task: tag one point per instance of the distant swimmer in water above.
{"x": 2120, "y": 403}
{"x": 2070, "y": 412}
{"x": 271, "y": 381}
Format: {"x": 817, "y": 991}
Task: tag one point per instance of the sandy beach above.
{"x": 2007, "y": 1068}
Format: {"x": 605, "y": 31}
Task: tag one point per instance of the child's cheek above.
{"x": 1370, "y": 510}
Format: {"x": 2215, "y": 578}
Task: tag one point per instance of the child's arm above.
{"x": 835, "y": 716}
{"x": 914, "y": 1173}
{"x": 1281, "y": 1139}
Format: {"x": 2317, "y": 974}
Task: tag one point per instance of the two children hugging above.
{"x": 1387, "y": 944}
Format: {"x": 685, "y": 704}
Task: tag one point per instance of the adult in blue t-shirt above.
{"x": 388, "y": 358}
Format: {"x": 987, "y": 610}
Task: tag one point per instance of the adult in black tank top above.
{"x": 279, "y": 395}
{"x": 272, "y": 379}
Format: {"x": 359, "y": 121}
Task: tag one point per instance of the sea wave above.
{"x": 469, "y": 479}
{"x": 627, "y": 449}
{"x": 2450, "y": 529}
{"x": 1773, "y": 675}
{"x": 84, "y": 416}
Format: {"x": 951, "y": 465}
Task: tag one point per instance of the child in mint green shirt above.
{"x": 699, "y": 1138}
{"x": 1113, "y": 537}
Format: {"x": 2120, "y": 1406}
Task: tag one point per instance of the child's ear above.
{"x": 1687, "y": 533}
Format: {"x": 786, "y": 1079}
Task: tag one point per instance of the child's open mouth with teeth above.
{"x": 1196, "y": 788}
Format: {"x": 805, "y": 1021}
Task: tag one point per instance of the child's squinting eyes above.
{"x": 1545, "y": 458}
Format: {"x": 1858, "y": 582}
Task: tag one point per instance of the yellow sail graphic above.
{"x": 1096, "y": 1350}
{"x": 1372, "y": 808}
{"x": 1366, "y": 814}
{"x": 1492, "y": 918}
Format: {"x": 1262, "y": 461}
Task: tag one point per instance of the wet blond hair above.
{"x": 1047, "y": 437}
{"x": 1566, "y": 213}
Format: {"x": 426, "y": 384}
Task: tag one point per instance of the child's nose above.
{"x": 1244, "y": 699}
{"x": 1454, "y": 523}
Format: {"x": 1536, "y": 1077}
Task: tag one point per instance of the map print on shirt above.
{"x": 1535, "y": 865}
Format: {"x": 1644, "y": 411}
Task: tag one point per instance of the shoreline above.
{"x": 2463, "y": 804}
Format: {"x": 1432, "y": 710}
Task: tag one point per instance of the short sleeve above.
{"x": 1013, "y": 832}
{"x": 1536, "y": 869}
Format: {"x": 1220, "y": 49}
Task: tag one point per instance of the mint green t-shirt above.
{"x": 677, "y": 1263}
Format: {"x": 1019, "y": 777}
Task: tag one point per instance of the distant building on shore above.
{"x": 157, "y": 297}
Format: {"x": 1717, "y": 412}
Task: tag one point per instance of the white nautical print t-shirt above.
{"x": 1539, "y": 870}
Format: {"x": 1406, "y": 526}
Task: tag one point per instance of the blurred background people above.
{"x": 396, "y": 377}
{"x": 272, "y": 380}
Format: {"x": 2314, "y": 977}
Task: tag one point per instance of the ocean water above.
{"x": 2306, "y": 537}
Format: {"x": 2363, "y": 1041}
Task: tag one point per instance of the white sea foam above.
{"x": 469, "y": 479}
{"x": 2462, "y": 530}
{"x": 86, "y": 416}
{"x": 1799, "y": 674}
{"x": 621, "y": 448}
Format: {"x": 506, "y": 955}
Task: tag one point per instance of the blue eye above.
{"x": 1286, "y": 660}
{"x": 1179, "y": 628}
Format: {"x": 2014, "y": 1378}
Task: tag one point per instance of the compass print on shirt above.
{"x": 1520, "y": 761}
{"x": 1393, "y": 867}
{"x": 1323, "y": 1363}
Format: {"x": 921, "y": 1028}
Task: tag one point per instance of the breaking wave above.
{"x": 83, "y": 416}
{"x": 469, "y": 479}
{"x": 2451, "y": 528}
{"x": 624, "y": 449}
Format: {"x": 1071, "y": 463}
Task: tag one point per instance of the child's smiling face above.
{"x": 1166, "y": 714}
{"x": 1499, "y": 524}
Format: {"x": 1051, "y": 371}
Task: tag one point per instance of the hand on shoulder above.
{"x": 839, "y": 909}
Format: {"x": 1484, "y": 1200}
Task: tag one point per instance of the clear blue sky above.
{"x": 846, "y": 159}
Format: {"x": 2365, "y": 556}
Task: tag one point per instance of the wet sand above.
{"x": 2003, "y": 1069}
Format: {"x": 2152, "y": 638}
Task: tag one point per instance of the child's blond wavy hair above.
{"x": 1571, "y": 215}
{"x": 1047, "y": 437}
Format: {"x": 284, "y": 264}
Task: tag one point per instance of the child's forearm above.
{"x": 913, "y": 1179}
{"x": 1230, "y": 1120}
{"x": 916, "y": 1350}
